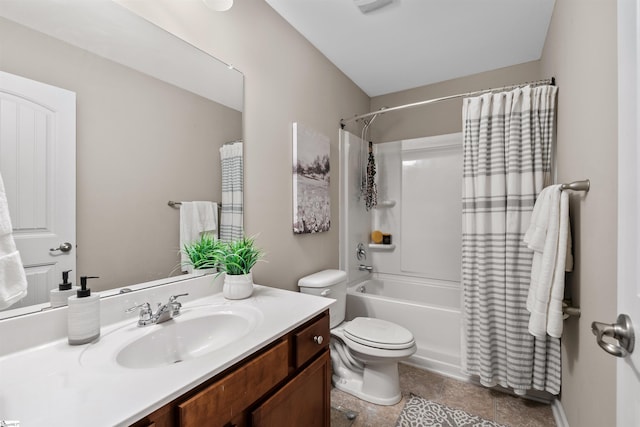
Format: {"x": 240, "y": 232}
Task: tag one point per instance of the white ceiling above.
{"x": 412, "y": 43}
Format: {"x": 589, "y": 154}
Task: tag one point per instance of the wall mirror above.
{"x": 151, "y": 113}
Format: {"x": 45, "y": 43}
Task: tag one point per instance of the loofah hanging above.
{"x": 371, "y": 194}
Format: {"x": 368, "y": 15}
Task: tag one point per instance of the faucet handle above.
{"x": 145, "y": 306}
{"x": 173, "y": 298}
{"x": 146, "y": 314}
{"x": 176, "y": 305}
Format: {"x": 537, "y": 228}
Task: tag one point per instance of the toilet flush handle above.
{"x": 325, "y": 292}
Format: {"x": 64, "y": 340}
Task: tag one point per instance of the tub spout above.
{"x": 363, "y": 267}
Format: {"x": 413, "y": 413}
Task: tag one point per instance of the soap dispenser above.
{"x": 58, "y": 297}
{"x": 83, "y": 315}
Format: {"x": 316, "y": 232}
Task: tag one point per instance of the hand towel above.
{"x": 196, "y": 218}
{"x": 554, "y": 314}
{"x": 13, "y": 280}
{"x": 550, "y": 225}
{"x": 535, "y": 235}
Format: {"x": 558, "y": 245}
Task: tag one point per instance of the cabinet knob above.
{"x": 318, "y": 339}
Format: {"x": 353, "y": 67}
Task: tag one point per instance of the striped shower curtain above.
{"x": 507, "y": 161}
{"x": 231, "y": 211}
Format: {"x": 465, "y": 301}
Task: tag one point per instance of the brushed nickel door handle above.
{"x": 64, "y": 247}
{"x": 621, "y": 331}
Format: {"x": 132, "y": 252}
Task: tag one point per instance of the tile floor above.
{"x": 489, "y": 404}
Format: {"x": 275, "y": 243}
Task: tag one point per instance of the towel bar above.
{"x": 583, "y": 185}
{"x": 568, "y": 310}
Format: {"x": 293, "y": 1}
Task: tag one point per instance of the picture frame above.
{"x": 311, "y": 177}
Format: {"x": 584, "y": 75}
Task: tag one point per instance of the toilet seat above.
{"x": 378, "y": 333}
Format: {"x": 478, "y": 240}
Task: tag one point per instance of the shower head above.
{"x": 368, "y": 123}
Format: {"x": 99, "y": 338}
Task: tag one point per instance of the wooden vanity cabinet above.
{"x": 286, "y": 383}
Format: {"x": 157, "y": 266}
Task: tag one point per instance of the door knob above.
{"x": 64, "y": 247}
{"x": 621, "y": 331}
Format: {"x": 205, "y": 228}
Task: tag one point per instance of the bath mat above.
{"x": 342, "y": 417}
{"x": 419, "y": 412}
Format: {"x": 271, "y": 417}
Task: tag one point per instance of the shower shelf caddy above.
{"x": 386, "y": 204}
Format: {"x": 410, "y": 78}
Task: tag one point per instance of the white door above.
{"x": 37, "y": 163}
{"x": 628, "y": 375}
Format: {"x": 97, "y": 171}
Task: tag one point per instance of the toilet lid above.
{"x": 378, "y": 333}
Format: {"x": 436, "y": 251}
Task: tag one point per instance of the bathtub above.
{"x": 431, "y": 311}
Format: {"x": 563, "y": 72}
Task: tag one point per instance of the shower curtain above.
{"x": 507, "y": 161}
{"x": 231, "y": 211}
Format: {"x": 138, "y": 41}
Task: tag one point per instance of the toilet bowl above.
{"x": 364, "y": 351}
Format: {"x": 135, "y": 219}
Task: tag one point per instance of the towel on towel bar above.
{"x": 549, "y": 236}
{"x": 196, "y": 218}
{"x": 13, "y": 279}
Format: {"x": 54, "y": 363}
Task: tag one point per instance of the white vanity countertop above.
{"x": 47, "y": 385}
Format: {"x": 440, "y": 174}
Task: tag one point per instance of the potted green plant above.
{"x": 236, "y": 259}
{"x": 202, "y": 253}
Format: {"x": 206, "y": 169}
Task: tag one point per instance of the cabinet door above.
{"x": 304, "y": 401}
{"x": 222, "y": 402}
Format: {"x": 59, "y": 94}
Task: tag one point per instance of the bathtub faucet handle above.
{"x": 363, "y": 267}
{"x": 361, "y": 254}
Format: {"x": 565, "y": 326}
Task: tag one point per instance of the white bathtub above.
{"x": 431, "y": 311}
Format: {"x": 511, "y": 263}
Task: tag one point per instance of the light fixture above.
{"x": 367, "y": 6}
{"x": 218, "y": 5}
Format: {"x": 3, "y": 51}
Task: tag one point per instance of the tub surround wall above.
{"x": 354, "y": 219}
{"x": 423, "y": 177}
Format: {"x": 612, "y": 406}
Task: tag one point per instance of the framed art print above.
{"x": 311, "y": 208}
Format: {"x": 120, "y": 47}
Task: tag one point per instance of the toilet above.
{"x": 364, "y": 351}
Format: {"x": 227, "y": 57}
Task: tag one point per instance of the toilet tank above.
{"x": 330, "y": 284}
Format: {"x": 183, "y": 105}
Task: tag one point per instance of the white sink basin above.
{"x": 194, "y": 333}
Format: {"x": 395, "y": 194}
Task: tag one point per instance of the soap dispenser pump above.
{"x": 83, "y": 316}
{"x": 58, "y": 297}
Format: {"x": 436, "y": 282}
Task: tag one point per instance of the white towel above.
{"x": 13, "y": 280}
{"x": 549, "y": 225}
{"x": 535, "y": 235}
{"x": 196, "y": 218}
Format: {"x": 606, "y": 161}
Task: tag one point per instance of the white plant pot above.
{"x": 237, "y": 286}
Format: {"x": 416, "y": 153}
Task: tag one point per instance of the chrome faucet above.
{"x": 363, "y": 267}
{"x": 164, "y": 312}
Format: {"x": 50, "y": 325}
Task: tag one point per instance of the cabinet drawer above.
{"x": 223, "y": 400}
{"x": 311, "y": 340}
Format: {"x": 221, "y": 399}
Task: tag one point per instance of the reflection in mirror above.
{"x": 151, "y": 113}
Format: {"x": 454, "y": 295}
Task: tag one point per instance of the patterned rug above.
{"x": 419, "y": 412}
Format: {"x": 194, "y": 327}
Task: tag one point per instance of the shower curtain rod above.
{"x": 343, "y": 122}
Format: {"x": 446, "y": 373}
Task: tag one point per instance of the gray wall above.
{"x": 286, "y": 80}
{"x": 441, "y": 117}
{"x": 140, "y": 143}
{"x": 581, "y": 51}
